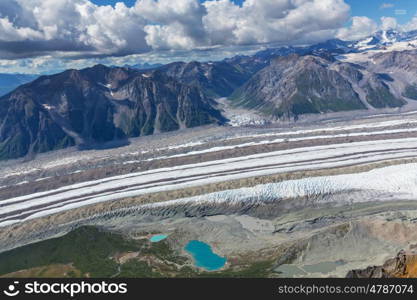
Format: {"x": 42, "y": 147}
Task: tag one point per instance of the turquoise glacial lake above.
{"x": 204, "y": 257}
{"x": 157, "y": 238}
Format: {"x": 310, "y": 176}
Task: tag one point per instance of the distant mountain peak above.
{"x": 384, "y": 38}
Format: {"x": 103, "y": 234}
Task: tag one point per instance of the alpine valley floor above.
{"x": 276, "y": 201}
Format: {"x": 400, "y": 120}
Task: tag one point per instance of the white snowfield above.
{"x": 367, "y": 129}
{"x": 398, "y": 181}
{"x": 281, "y": 140}
{"x": 36, "y": 205}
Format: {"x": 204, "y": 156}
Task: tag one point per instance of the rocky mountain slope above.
{"x": 97, "y": 105}
{"x": 295, "y": 85}
{"x": 404, "y": 265}
{"x": 216, "y": 79}
{"x": 332, "y": 76}
{"x": 401, "y": 66}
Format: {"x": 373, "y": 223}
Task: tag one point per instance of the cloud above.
{"x": 32, "y": 28}
{"x": 361, "y": 27}
{"x": 386, "y": 5}
{"x": 179, "y": 23}
{"x": 49, "y": 35}
{"x": 50, "y": 64}
{"x": 412, "y": 25}
{"x": 35, "y": 27}
{"x": 400, "y": 12}
{"x": 388, "y": 23}
{"x": 278, "y": 21}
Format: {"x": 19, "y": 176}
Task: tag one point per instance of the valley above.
{"x": 281, "y": 192}
{"x": 293, "y": 162}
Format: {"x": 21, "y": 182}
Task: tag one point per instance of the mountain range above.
{"x": 104, "y": 104}
{"x": 97, "y": 105}
{"x": 145, "y": 66}
{"x": 294, "y": 85}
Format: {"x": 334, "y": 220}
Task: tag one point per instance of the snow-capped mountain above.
{"x": 390, "y": 40}
{"x": 386, "y": 38}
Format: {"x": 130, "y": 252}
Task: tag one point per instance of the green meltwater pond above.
{"x": 204, "y": 257}
{"x": 158, "y": 238}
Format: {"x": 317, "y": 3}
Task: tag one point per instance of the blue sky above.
{"x": 376, "y": 9}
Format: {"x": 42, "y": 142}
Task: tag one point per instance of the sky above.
{"x": 374, "y": 9}
{"x": 403, "y": 10}
{"x": 47, "y": 36}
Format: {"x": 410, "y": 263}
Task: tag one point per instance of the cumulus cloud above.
{"x": 44, "y": 27}
{"x": 361, "y": 27}
{"x": 279, "y": 21}
{"x": 35, "y": 27}
{"x": 57, "y": 34}
{"x": 411, "y": 25}
{"x": 179, "y": 24}
{"x": 388, "y": 23}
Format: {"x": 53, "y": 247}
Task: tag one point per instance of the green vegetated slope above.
{"x": 88, "y": 248}
{"x": 91, "y": 252}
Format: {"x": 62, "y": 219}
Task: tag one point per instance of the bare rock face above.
{"x": 402, "y": 60}
{"x": 401, "y": 66}
{"x": 296, "y": 85}
{"x": 370, "y": 272}
{"x": 404, "y": 265}
{"x": 216, "y": 79}
{"x": 97, "y": 105}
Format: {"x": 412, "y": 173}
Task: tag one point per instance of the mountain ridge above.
{"x": 97, "y": 105}
{"x": 295, "y": 85}
{"x": 103, "y": 104}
